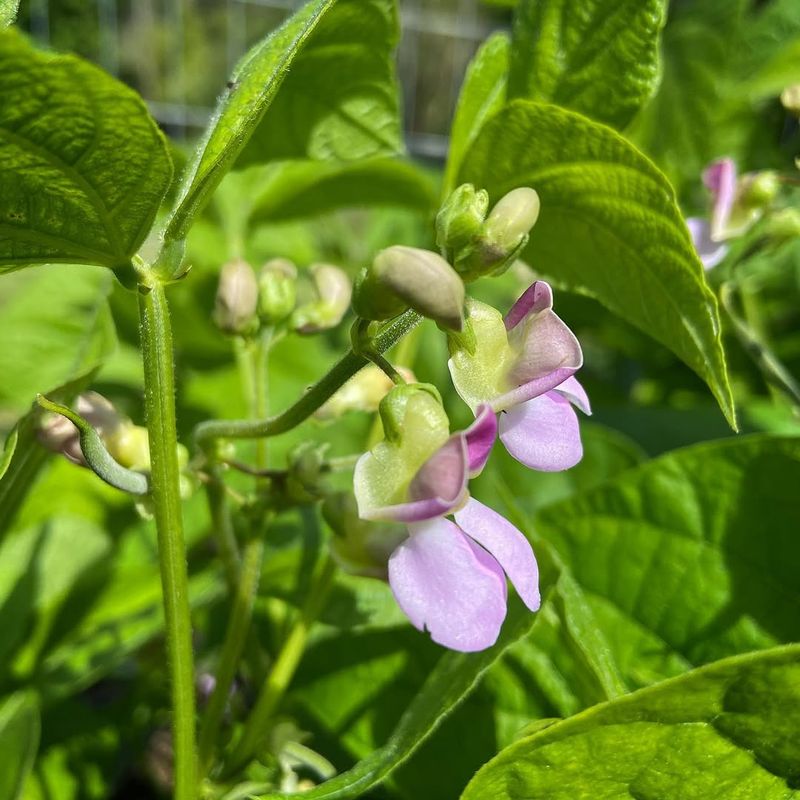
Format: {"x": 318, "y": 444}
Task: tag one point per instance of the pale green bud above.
{"x": 277, "y": 290}
{"x": 331, "y": 293}
{"x": 758, "y": 189}
{"x": 130, "y": 446}
{"x": 237, "y": 298}
{"x": 406, "y": 277}
{"x": 412, "y": 408}
{"x": 460, "y": 220}
{"x": 306, "y": 462}
{"x": 511, "y": 219}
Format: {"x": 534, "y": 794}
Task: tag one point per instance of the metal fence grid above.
{"x": 177, "y": 53}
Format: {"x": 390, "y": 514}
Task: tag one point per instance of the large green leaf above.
{"x": 454, "y": 676}
{"x": 689, "y": 558}
{"x": 609, "y": 227}
{"x": 599, "y": 57}
{"x": 320, "y": 86}
{"x": 730, "y": 730}
{"x": 483, "y": 94}
{"x": 19, "y": 740}
{"x": 8, "y": 11}
{"x": 83, "y": 166}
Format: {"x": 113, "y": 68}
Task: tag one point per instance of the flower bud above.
{"x": 757, "y": 189}
{"x": 511, "y": 219}
{"x": 130, "y": 446}
{"x": 359, "y": 547}
{"x": 237, "y": 298}
{"x": 59, "y": 435}
{"x": 277, "y": 290}
{"x": 305, "y": 462}
{"x": 790, "y": 99}
{"x": 412, "y": 409}
{"x": 331, "y": 293}
{"x": 402, "y": 277}
{"x": 460, "y": 220}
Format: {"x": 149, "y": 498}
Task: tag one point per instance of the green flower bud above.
{"x": 331, "y": 293}
{"x": 237, "y": 298}
{"x": 758, "y": 189}
{"x": 401, "y": 277}
{"x": 414, "y": 408}
{"x": 511, "y": 219}
{"x": 460, "y": 220}
{"x": 130, "y": 446}
{"x": 277, "y": 290}
{"x": 306, "y": 462}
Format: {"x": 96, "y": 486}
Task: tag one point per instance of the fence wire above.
{"x": 177, "y": 53}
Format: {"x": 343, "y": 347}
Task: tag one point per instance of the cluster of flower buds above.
{"x": 737, "y": 203}
{"x": 310, "y": 302}
{"x": 477, "y": 244}
{"x": 128, "y": 444}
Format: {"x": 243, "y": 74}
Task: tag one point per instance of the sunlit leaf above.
{"x": 19, "y": 740}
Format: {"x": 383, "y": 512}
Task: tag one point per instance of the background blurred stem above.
{"x": 159, "y": 397}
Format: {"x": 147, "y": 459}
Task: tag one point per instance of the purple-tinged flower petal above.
{"x": 711, "y": 253}
{"x": 537, "y": 297}
{"x": 445, "y": 585}
{"x": 575, "y": 393}
{"x": 543, "y": 433}
{"x": 720, "y": 178}
{"x": 480, "y": 437}
{"x": 443, "y": 477}
{"x": 507, "y": 545}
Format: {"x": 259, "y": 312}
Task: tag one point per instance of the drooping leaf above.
{"x": 320, "y": 86}
{"x": 609, "y": 227}
{"x": 483, "y": 94}
{"x": 454, "y": 676}
{"x": 19, "y": 741}
{"x": 689, "y": 558}
{"x": 83, "y": 166}
{"x": 8, "y": 11}
{"x": 598, "y": 57}
{"x": 731, "y": 729}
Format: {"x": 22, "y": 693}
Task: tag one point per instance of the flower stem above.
{"x": 159, "y": 397}
{"x": 283, "y": 670}
{"x": 232, "y": 649}
{"x": 351, "y": 363}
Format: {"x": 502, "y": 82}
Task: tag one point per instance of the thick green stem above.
{"x": 232, "y": 649}
{"x": 282, "y": 671}
{"x": 312, "y": 399}
{"x": 159, "y": 396}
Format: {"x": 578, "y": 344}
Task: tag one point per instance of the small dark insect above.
{"x": 232, "y": 84}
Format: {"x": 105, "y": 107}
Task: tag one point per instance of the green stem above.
{"x": 312, "y": 399}
{"x": 222, "y": 525}
{"x": 282, "y": 670}
{"x": 159, "y": 397}
{"x": 232, "y": 649}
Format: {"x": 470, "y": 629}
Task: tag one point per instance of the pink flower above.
{"x": 449, "y": 578}
{"x": 525, "y": 370}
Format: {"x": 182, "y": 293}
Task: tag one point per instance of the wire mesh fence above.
{"x": 177, "y": 53}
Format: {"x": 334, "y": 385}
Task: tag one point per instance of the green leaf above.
{"x": 689, "y": 558}
{"x": 320, "y": 86}
{"x": 339, "y": 100}
{"x": 454, "y": 677}
{"x": 297, "y": 189}
{"x": 19, "y": 741}
{"x": 8, "y": 11}
{"x": 609, "y": 227}
{"x": 83, "y": 165}
{"x": 482, "y": 95}
{"x": 731, "y": 729}
{"x": 598, "y": 57}
{"x": 9, "y": 448}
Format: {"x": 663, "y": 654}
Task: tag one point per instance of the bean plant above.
{"x": 331, "y": 472}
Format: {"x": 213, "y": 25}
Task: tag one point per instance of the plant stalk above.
{"x": 159, "y": 397}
